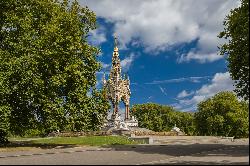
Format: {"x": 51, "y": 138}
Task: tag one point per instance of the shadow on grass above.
{"x": 31, "y": 144}
{"x": 15, "y": 144}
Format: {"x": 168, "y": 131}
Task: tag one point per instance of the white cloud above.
{"x": 127, "y": 62}
{"x": 97, "y": 36}
{"x": 100, "y": 72}
{"x": 105, "y": 65}
{"x": 220, "y": 82}
{"x": 184, "y": 93}
{"x": 150, "y": 97}
{"x": 160, "y": 24}
{"x": 176, "y": 80}
{"x": 201, "y": 58}
{"x": 98, "y": 83}
{"x": 163, "y": 90}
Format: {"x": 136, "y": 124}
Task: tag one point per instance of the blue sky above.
{"x": 167, "y": 47}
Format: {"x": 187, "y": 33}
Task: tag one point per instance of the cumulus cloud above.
{"x": 200, "y": 57}
{"x": 127, "y": 62}
{"x": 97, "y": 36}
{"x": 184, "y": 93}
{"x": 220, "y": 82}
{"x": 160, "y": 24}
{"x": 105, "y": 65}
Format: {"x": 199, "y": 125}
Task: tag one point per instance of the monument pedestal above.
{"x": 116, "y": 125}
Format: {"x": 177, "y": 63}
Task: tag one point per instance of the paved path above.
{"x": 180, "y": 152}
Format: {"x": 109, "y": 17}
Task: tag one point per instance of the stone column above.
{"x": 116, "y": 108}
{"x": 126, "y": 112}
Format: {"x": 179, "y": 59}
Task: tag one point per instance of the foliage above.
{"x": 4, "y": 124}
{"x": 237, "y": 48}
{"x": 3, "y": 138}
{"x": 162, "y": 118}
{"x": 47, "y": 69}
{"x": 222, "y": 115}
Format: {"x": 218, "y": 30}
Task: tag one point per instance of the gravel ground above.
{"x": 172, "y": 150}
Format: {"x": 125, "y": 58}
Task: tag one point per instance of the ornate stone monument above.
{"x": 118, "y": 91}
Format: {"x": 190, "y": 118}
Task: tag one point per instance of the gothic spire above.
{"x": 115, "y": 42}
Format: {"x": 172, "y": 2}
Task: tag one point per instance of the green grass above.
{"x": 86, "y": 140}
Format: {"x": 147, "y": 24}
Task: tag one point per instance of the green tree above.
{"x": 186, "y": 122}
{"x": 237, "y": 47}
{"x": 47, "y": 67}
{"x": 158, "y": 117}
{"x": 222, "y": 115}
{"x": 4, "y": 124}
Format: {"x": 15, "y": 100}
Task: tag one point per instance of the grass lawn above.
{"x": 87, "y": 140}
{"x": 20, "y": 144}
{"x": 84, "y": 140}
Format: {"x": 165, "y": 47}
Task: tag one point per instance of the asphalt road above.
{"x": 224, "y": 153}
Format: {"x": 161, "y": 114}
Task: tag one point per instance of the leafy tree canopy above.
{"x": 222, "y": 115}
{"x": 237, "y": 47}
{"x": 158, "y": 117}
{"x": 47, "y": 67}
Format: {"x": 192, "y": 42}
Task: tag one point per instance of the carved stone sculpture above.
{"x": 117, "y": 86}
